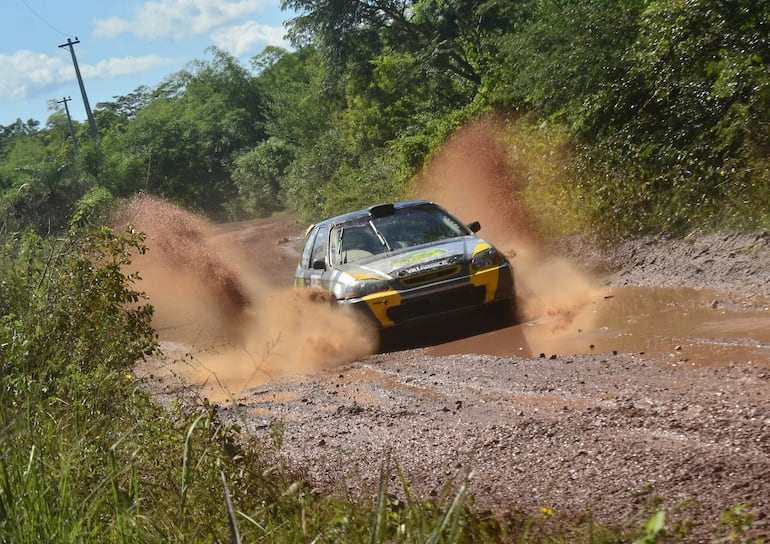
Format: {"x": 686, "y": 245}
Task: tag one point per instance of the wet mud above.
{"x": 224, "y": 309}
{"x": 680, "y": 325}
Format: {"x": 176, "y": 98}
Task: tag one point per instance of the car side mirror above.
{"x": 475, "y": 226}
{"x": 319, "y": 264}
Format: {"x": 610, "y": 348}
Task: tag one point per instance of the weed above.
{"x": 739, "y": 524}
{"x": 653, "y": 528}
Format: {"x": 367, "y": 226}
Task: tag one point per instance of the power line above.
{"x": 36, "y": 14}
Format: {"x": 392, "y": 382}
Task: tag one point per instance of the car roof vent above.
{"x": 382, "y": 210}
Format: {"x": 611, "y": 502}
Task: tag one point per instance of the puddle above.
{"x": 684, "y": 326}
{"x": 357, "y": 382}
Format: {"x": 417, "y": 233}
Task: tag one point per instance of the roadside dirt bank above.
{"x": 614, "y": 435}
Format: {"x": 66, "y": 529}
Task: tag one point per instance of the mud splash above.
{"x": 224, "y": 328}
{"x": 471, "y": 176}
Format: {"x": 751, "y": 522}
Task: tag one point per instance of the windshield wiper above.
{"x": 380, "y": 237}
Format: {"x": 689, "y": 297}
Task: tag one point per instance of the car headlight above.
{"x": 361, "y": 288}
{"x": 487, "y": 259}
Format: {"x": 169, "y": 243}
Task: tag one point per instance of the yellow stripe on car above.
{"x": 380, "y": 303}
{"x": 488, "y": 278}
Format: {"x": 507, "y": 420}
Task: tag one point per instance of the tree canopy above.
{"x": 664, "y": 106}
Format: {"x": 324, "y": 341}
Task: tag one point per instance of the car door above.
{"x": 313, "y": 264}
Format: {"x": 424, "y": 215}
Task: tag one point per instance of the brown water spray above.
{"x": 233, "y": 329}
{"x": 475, "y": 177}
{"x": 228, "y": 327}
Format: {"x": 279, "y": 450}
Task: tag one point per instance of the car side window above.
{"x": 319, "y": 245}
{"x": 304, "y": 259}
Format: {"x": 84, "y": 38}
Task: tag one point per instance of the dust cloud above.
{"x": 222, "y": 327}
{"x": 474, "y": 178}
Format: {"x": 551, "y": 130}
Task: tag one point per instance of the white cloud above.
{"x": 26, "y": 72}
{"x": 112, "y": 27}
{"x": 122, "y": 67}
{"x": 249, "y": 37}
{"x": 177, "y": 19}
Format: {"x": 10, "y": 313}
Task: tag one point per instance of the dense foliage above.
{"x": 661, "y": 109}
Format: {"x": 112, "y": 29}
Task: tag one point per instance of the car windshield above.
{"x": 406, "y": 227}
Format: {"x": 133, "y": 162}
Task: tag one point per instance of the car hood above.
{"x": 416, "y": 260}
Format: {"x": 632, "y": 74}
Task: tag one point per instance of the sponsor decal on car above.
{"x": 427, "y": 267}
{"x": 420, "y": 256}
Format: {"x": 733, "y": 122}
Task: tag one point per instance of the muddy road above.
{"x": 651, "y": 391}
{"x": 637, "y": 379}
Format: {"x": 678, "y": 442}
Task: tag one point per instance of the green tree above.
{"x": 299, "y": 95}
{"x": 706, "y": 66}
{"x": 114, "y": 115}
{"x": 568, "y": 62}
{"x": 698, "y": 137}
{"x": 182, "y": 142}
{"x": 445, "y": 35}
{"x": 37, "y": 177}
{"x": 301, "y": 99}
{"x": 19, "y": 128}
{"x": 258, "y": 175}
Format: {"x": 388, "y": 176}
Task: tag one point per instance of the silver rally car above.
{"x": 404, "y": 262}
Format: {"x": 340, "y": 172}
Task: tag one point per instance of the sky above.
{"x": 123, "y": 44}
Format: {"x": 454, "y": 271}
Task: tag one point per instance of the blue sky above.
{"x": 123, "y": 44}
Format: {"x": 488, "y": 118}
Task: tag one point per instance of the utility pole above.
{"x": 69, "y": 122}
{"x": 90, "y": 115}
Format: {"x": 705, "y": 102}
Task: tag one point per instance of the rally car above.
{"x": 402, "y": 263}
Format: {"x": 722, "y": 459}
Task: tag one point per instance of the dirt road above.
{"x": 653, "y": 393}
